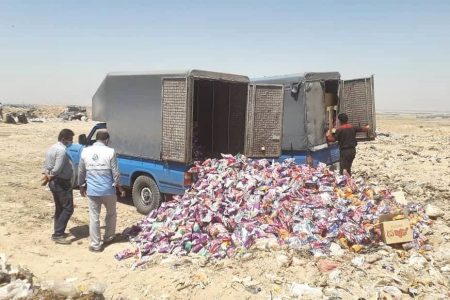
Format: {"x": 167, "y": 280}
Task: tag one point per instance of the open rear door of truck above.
{"x": 176, "y": 118}
{"x": 357, "y": 100}
{"x": 264, "y": 121}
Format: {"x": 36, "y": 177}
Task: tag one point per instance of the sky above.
{"x": 58, "y": 52}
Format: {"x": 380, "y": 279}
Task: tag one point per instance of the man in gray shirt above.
{"x": 58, "y": 172}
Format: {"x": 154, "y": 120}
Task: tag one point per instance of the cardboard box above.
{"x": 330, "y": 99}
{"x": 398, "y": 231}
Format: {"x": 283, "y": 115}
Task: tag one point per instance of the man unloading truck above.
{"x": 345, "y": 135}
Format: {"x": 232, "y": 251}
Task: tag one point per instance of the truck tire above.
{"x": 146, "y": 195}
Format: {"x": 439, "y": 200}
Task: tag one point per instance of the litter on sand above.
{"x": 236, "y": 201}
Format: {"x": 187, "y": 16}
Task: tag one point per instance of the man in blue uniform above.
{"x": 98, "y": 178}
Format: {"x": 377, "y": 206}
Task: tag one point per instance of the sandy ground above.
{"x": 415, "y": 156}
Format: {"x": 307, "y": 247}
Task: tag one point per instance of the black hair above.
{"x": 102, "y": 135}
{"x": 65, "y": 134}
{"x": 343, "y": 118}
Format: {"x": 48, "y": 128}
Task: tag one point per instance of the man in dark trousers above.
{"x": 58, "y": 173}
{"x": 345, "y": 135}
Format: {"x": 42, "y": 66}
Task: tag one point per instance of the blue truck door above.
{"x": 264, "y": 121}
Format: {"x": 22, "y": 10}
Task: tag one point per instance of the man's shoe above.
{"x": 61, "y": 240}
{"x": 94, "y": 249}
{"x": 64, "y": 235}
{"x": 109, "y": 240}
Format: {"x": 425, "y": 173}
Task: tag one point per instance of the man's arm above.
{"x": 331, "y": 135}
{"x": 116, "y": 174}
{"x": 59, "y": 163}
{"x": 82, "y": 177}
{"x": 48, "y": 166}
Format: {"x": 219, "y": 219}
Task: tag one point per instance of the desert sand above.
{"x": 411, "y": 152}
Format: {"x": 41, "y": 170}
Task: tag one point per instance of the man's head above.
{"x": 66, "y": 137}
{"x": 102, "y": 136}
{"x": 343, "y": 118}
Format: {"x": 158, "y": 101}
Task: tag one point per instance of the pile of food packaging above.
{"x": 236, "y": 201}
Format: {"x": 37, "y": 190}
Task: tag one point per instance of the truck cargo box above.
{"x": 310, "y": 97}
{"x": 188, "y": 115}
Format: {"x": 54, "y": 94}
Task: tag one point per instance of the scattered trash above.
{"x": 249, "y": 284}
{"x": 393, "y": 291}
{"x": 417, "y": 261}
{"x": 253, "y": 289}
{"x": 237, "y": 201}
{"x": 304, "y": 291}
{"x": 18, "y": 284}
{"x": 358, "y": 261}
{"x": 334, "y": 277}
{"x": 16, "y": 289}
{"x": 284, "y": 260}
{"x": 433, "y": 211}
{"x": 74, "y": 112}
{"x": 336, "y": 250}
{"x": 326, "y": 265}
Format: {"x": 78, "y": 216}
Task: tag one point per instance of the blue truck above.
{"x": 161, "y": 122}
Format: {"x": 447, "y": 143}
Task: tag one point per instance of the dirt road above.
{"x": 415, "y": 156}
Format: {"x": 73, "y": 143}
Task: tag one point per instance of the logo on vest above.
{"x": 95, "y": 157}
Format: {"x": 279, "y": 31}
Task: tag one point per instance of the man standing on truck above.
{"x": 345, "y": 135}
{"x": 98, "y": 178}
{"x": 58, "y": 174}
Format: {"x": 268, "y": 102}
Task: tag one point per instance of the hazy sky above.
{"x": 59, "y": 51}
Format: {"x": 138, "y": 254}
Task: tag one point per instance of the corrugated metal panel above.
{"x": 264, "y": 121}
{"x": 357, "y": 101}
{"x": 174, "y": 119}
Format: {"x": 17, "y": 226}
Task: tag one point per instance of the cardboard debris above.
{"x": 237, "y": 201}
{"x": 397, "y": 231}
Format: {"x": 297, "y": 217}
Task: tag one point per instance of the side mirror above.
{"x": 82, "y": 140}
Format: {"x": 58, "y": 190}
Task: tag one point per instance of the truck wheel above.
{"x": 146, "y": 195}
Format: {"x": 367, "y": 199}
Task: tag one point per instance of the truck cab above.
{"x": 147, "y": 180}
